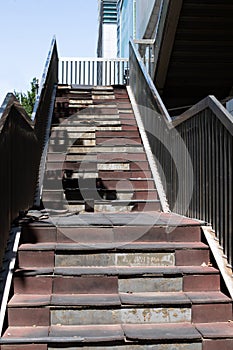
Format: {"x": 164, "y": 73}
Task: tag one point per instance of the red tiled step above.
{"x": 118, "y": 141}
{"x": 111, "y": 134}
{"x": 136, "y": 157}
{"x": 63, "y": 334}
{"x": 27, "y": 317}
{"x": 37, "y": 233}
{"x": 216, "y": 330}
{"x": 134, "y": 183}
{"x": 208, "y": 276}
{"x": 128, "y": 116}
{"x": 216, "y": 344}
{"x": 124, "y": 174}
{"x": 158, "y": 332}
{"x": 42, "y": 255}
{"x": 218, "y": 308}
{"x": 44, "y": 286}
{"x": 129, "y": 127}
{"x": 215, "y": 312}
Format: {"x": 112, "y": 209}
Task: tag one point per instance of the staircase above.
{"x": 96, "y": 160}
{"x": 106, "y": 268}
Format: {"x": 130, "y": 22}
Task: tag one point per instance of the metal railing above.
{"x": 18, "y": 168}
{"x": 42, "y": 113}
{"x": 146, "y": 50}
{"x": 93, "y": 71}
{"x": 194, "y": 153}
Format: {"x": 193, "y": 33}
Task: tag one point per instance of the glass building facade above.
{"x": 133, "y": 19}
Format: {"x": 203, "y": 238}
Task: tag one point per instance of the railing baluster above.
{"x": 79, "y": 72}
{"x": 67, "y": 65}
{"x": 118, "y": 72}
{"x": 76, "y": 72}
{"x": 110, "y": 72}
{"x": 96, "y": 71}
{"x": 62, "y": 72}
{"x": 71, "y": 72}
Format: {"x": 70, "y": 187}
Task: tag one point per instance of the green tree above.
{"x": 28, "y": 99}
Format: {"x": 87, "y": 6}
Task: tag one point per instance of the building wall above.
{"x": 109, "y": 49}
{"x": 126, "y": 25}
{"x": 133, "y": 19}
{"x": 107, "y": 38}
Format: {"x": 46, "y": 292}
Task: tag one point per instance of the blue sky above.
{"x": 26, "y": 31}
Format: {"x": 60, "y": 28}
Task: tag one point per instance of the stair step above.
{"x": 46, "y": 258}
{"x": 25, "y": 347}
{"x": 123, "y": 195}
{"x": 66, "y": 282}
{"x": 195, "y": 278}
{"x": 105, "y": 149}
{"x": 165, "y": 333}
{"x": 121, "y": 141}
{"x": 42, "y": 255}
{"x": 74, "y": 134}
{"x": 114, "y": 299}
{"x": 63, "y": 142}
{"x": 108, "y": 174}
{"x": 119, "y": 316}
{"x": 90, "y": 183}
{"x": 161, "y": 332}
{"x": 128, "y": 134}
{"x": 144, "y": 234}
{"x": 133, "y": 157}
{"x": 134, "y": 247}
{"x": 58, "y": 162}
{"x": 82, "y": 117}
{"x": 216, "y": 344}
{"x": 131, "y": 346}
{"x": 127, "y": 206}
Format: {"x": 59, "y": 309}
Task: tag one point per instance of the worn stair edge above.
{"x": 153, "y": 166}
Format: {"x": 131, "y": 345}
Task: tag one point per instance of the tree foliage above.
{"x": 28, "y": 99}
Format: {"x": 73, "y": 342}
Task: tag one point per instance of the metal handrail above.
{"x": 18, "y": 146}
{"x": 211, "y": 102}
{"x": 194, "y": 152}
{"x": 93, "y": 71}
{"x": 51, "y": 54}
{"x": 42, "y": 114}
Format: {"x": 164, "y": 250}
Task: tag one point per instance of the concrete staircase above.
{"x": 104, "y": 273}
{"x": 96, "y": 160}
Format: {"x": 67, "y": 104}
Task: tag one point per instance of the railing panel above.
{"x": 42, "y": 113}
{"x": 194, "y": 153}
{"x": 93, "y": 71}
{"x": 18, "y": 167}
